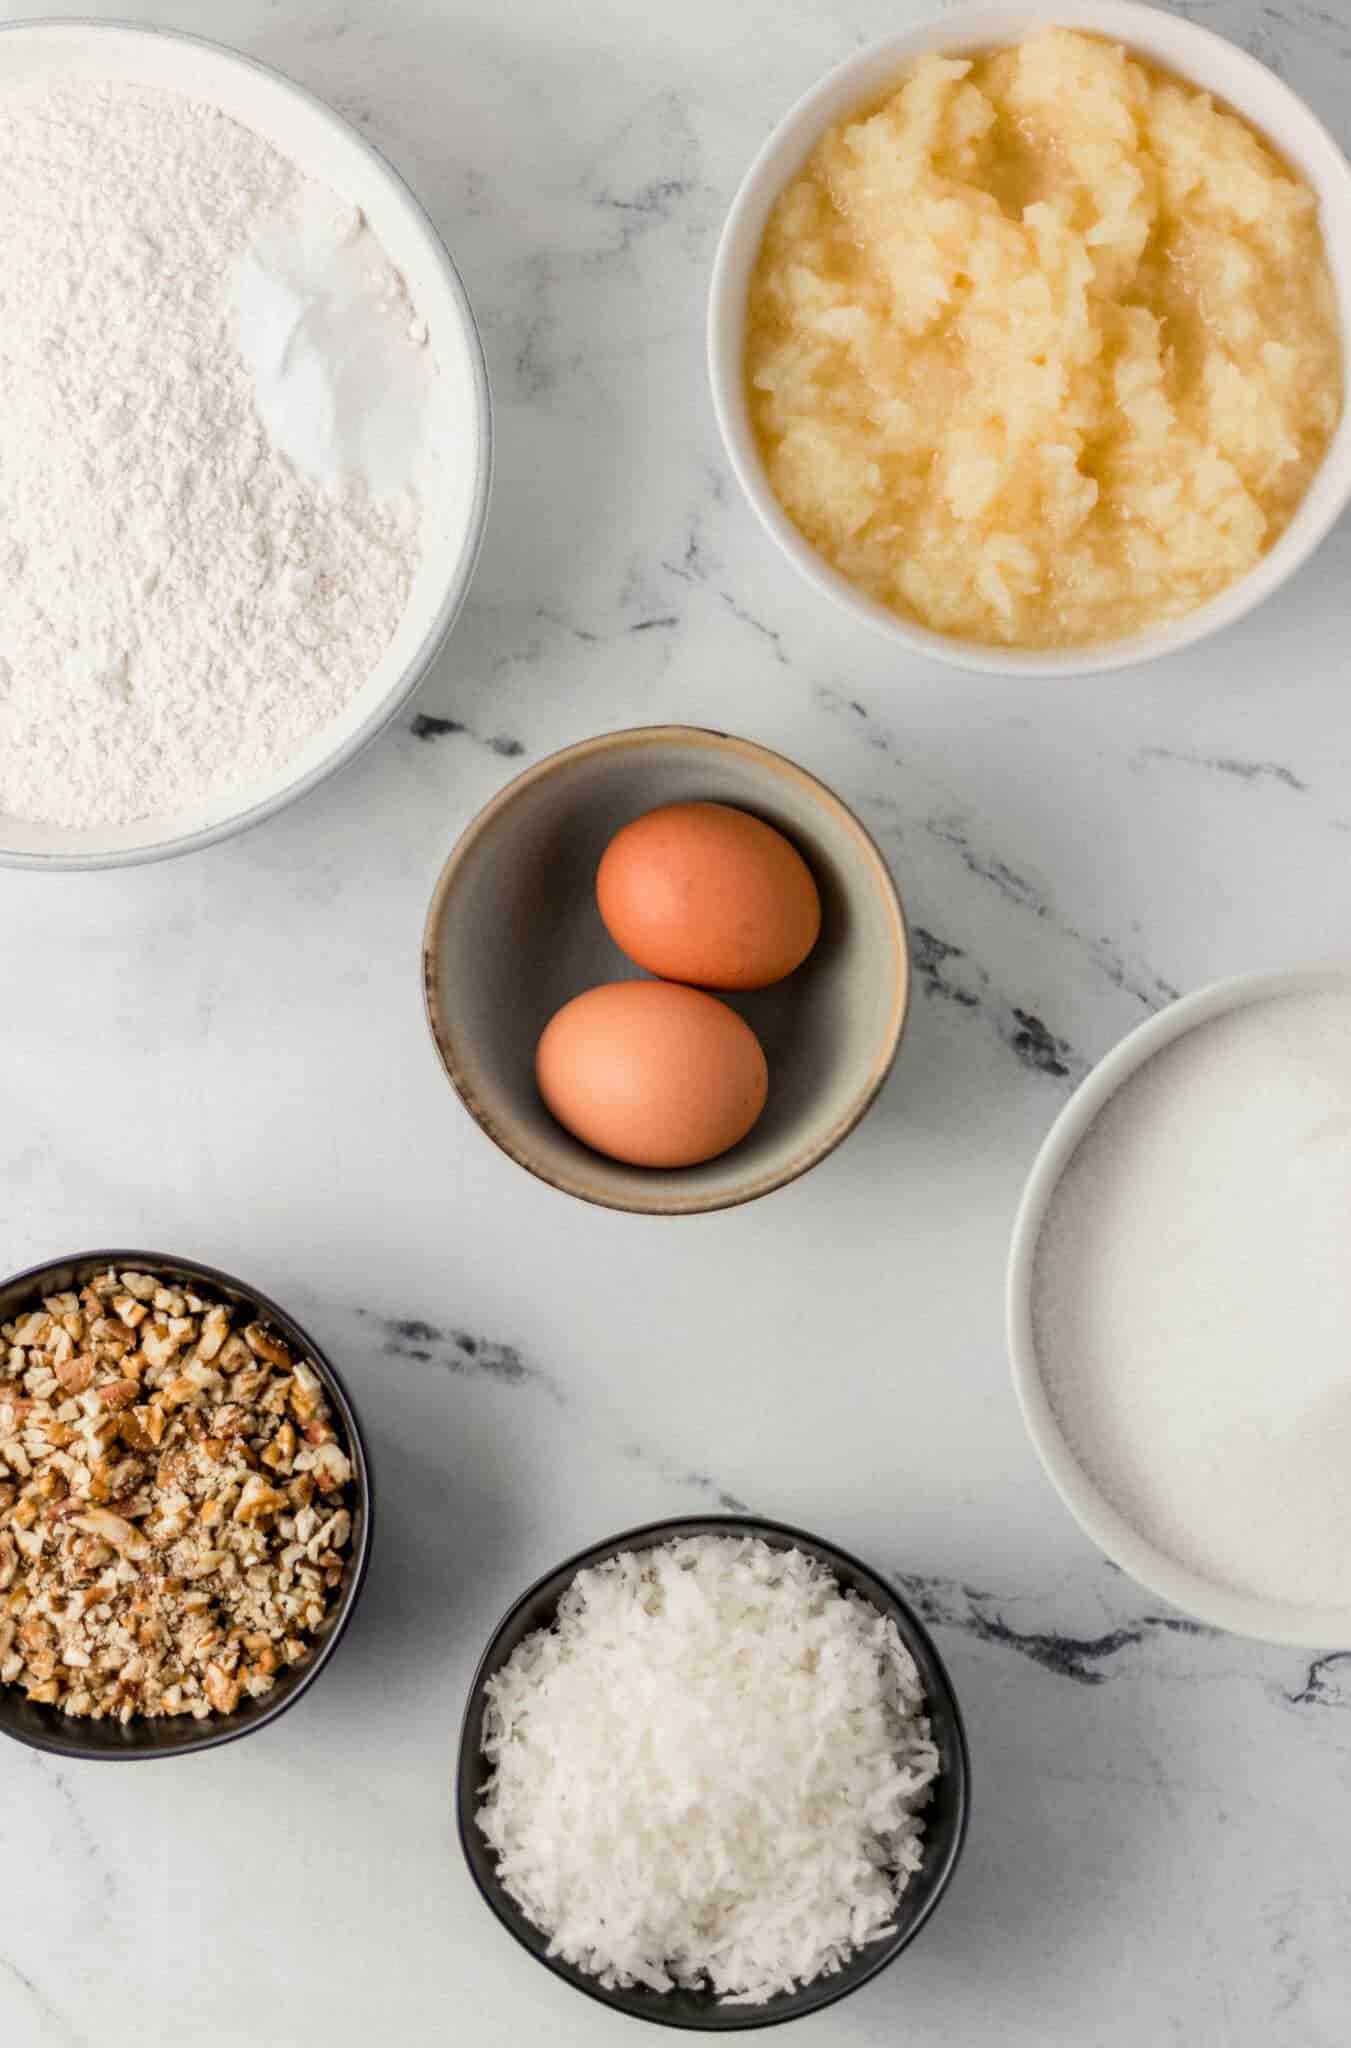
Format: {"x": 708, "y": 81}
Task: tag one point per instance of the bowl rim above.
{"x": 625, "y": 740}
{"x": 58, "y": 1742}
{"x": 884, "y": 1595}
{"x": 1206, "y": 1600}
{"x": 1144, "y": 29}
{"x": 440, "y": 625}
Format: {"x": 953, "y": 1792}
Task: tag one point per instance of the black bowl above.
{"x": 45, "y": 1727}
{"x": 944, "y": 1817}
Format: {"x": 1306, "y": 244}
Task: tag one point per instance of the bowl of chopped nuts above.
{"x": 185, "y": 1507}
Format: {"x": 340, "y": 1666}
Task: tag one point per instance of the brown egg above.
{"x": 652, "y": 1073}
{"x": 707, "y": 894}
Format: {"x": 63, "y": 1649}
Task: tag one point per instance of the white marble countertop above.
{"x": 226, "y": 1056}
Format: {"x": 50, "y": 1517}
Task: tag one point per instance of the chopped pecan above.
{"x": 76, "y": 1373}
{"x": 173, "y": 1512}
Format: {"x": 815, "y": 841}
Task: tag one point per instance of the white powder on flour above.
{"x": 334, "y": 348}
{"x": 180, "y": 608}
{"x": 1192, "y": 1300}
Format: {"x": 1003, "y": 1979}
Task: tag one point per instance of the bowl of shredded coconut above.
{"x": 245, "y": 451}
{"x": 712, "y": 1773}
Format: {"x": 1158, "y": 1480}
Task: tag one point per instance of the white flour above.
{"x": 180, "y": 610}
{"x": 1193, "y": 1300}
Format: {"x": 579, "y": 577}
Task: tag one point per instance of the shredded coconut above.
{"x": 709, "y": 1771}
{"x": 180, "y": 610}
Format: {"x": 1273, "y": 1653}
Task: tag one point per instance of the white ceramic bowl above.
{"x": 328, "y": 150}
{"x": 1244, "y": 1614}
{"x": 1184, "y": 47}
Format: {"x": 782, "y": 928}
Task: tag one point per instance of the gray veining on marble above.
{"x": 227, "y": 1055}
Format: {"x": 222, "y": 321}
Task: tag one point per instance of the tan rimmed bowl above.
{"x": 513, "y": 932}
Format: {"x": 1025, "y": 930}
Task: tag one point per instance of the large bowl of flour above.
{"x": 245, "y": 450}
{"x": 1179, "y": 1306}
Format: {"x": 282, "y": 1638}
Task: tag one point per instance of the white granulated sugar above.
{"x": 1192, "y": 1300}
{"x": 180, "y": 609}
{"x": 709, "y": 1771}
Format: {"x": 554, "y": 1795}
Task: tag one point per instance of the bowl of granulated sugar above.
{"x": 1179, "y": 1306}
{"x": 245, "y": 448}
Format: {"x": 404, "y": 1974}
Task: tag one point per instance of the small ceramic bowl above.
{"x": 1219, "y": 1606}
{"x": 44, "y": 1727}
{"x": 1184, "y": 47}
{"x": 944, "y": 1818}
{"x": 513, "y": 933}
{"x": 335, "y": 154}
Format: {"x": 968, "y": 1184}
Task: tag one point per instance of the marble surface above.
{"x": 226, "y": 1056}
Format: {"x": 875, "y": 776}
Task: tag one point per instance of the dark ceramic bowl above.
{"x": 44, "y": 1727}
{"x": 944, "y": 1817}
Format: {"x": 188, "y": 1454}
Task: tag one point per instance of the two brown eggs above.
{"x": 660, "y": 1072}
